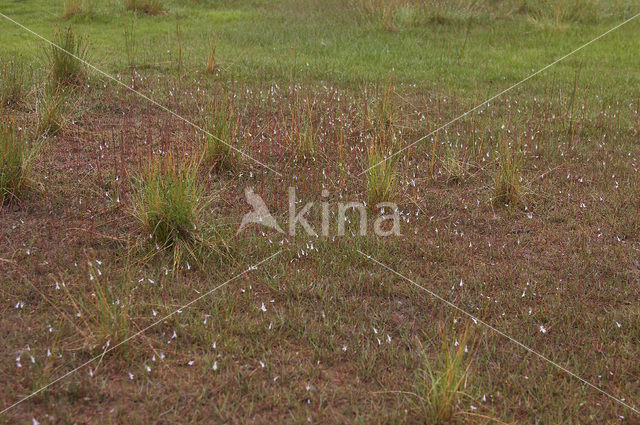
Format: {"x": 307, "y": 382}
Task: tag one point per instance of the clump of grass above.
{"x": 168, "y": 204}
{"x": 212, "y": 65}
{"x": 509, "y": 187}
{"x": 222, "y": 126}
{"x": 381, "y": 177}
{"x": 104, "y": 313}
{"x": 130, "y": 44}
{"x": 381, "y": 120}
{"x": 299, "y": 128}
{"x": 52, "y": 110}
{"x": 382, "y": 116}
{"x": 441, "y": 383}
{"x": 16, "y": 162}
{"x": 72, "y": 8}
{"x": 454, "y": 165}
{"x": 557, "y": 15}
{"x": 380, "y": 12}
{"x": 396, "y": 15}
{"x": 151, "y": 7}
{"x": 65, "y": 66}
{"x": 13, "y": 83}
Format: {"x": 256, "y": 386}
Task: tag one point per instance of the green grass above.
{"x": 169, "y": 201}
{"x": 299, "y": 127}
{"x": 509, "y": 187}
{"x": 17, "y": 154}
{"x": 382, "y": 123}
{"x": 265, "y": 43}
{"x": 221, "y": 123}
{"x": 382, "y": 177}
{"x": 65, "y": 58}
{"x": 72, "y": 8}
{"x": 442, "y": 383}
{"x": 455, "y": 165}
{"x": 152, "y": 7}
{"x": 321, "y": 334}
{"x": 14, "y": 80}
{"x": 102, "y": 318}
{"x": 53, "y": 109}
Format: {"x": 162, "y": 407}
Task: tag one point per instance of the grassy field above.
{"x": 129, "y": 295}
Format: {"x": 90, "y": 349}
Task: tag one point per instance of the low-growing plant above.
{"x": 151, "y": 7}
{"x": 103, "y": 313}
{"x": 440, "y": 385}
{"x": 222, "y": 126}
{"x": 299, "y": 128}
{"x": 381, "y": 176}
{"x": 557, "y": 15}
{"x": 455, "y": 165}
{"x": 178, "y": 49}
{"x": 381, "y": 121}
{"x": 17, "y": 155}
{"x": 382, "y": 116}
{"x": 380, "y": 12}
{"x": 13, "y": 83}
{"x": 509, "y": 187}
{"x": 40, "y": 373}
{"x": 130, "y": 45}
{"x": 72, "y": 8}
{"x": 65, "y": 61}
{"x": 52, "y": 109}
{"x": 212, "y": 65}
{"x": 168, "y": 204}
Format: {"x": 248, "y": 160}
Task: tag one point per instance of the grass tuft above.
{"x": 64, "y": 65}
{"x": 130, "y": 41}
{"x": 381, "y": 121}
{"x": 16, "y": 162}
{"x": 509, "y": 187}
{"x": 212, "y": 65}
{"x": 299, "y": 128}
{"x": 151, "y": 7}
{"x": 441, "y": 383}
{"x": 455, "y": 166}
{"x": 52, "y": 111}
{"x": 104, "y": 312}
{"x": 13, "y": 83}
{"x": 168, "y": 204}
{"x": 71, "y": 8}
{"x": 381, "y": 179}
{"x": 222, "y": 125}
